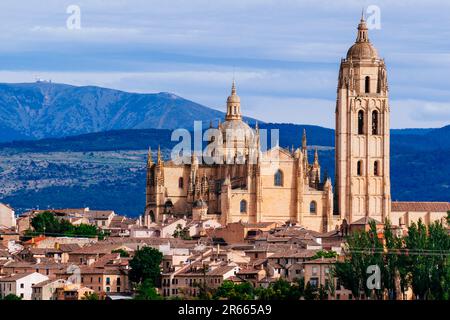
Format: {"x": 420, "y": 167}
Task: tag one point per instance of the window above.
{"x": 361, "y": 122}
{"x": 376, "y": 169}
{"x": 118, "y": 289}
{"x": 313, "y": 207}
{"x": 108, "y": 281}
{"x": 243, "y": 206}
{"x": 180, "y": 183}
{"x": 367, "y": 85}
{"x": 278, "y": 178}
{"x": 375, "y": 122}
{"x": 359, "y": 168}
{"x": 314, "y": 282}
{"x": 21, "y": 286}
{"x": 108, "y": 289}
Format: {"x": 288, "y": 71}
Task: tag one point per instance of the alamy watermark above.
{"x": 73, "y": 22}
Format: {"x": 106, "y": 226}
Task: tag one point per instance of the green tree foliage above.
{"x": 428, "y": 260}
{"x": 11, "y": 297}
{"x": 231, "y": 291}
{"x": 363, "y": 249}
{"x": 324, "y": 254}
{"x": 281, "y": 290}
{"x": 90, "y": 296}
{"x": 145, "y": 265}
{"x": 47, "y": 223}
{"x": 147, "y": 291}
{"x": 419, "y": 260}
{"x": 182, "y": 233}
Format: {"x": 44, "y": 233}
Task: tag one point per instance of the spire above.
{"x": 316, "y": 157}
{"x": 233, "y": 88}
{"x": 304, "y": 140}
{"x": 159, "y": 155}
{"x": 149, "y": 157}
{"x": 363, "y": 34}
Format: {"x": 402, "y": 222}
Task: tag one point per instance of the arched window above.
{"x": 234, "y": 109}
{"x": 152, "y": 216}
{"x": 367, "y": 85}
{"x": 243, "y": 206}
{"x": 376, "y": 169}
{"x": 359, "y": 168}
{"x": 375, "y": 122}
{"x": 180, "y": 183}
{"x": 313, "y": 207}
{"x": 360, "y": 122}
{"x": 278, "y": 178}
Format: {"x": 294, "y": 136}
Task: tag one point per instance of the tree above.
{"x": 182, "y": 233}
{"x": 310, "y": 292}
{"x": 46, "y": 223}
{"x": 363, "y": 249}
{"x": 90, "y": 296}
{"x": 146, "y": 291}
{"x": 281, "y": 290}
{"x": 145, "y": 265}
{"x": 231, "y": 291}
{"x": 428, "y": 261}
{"x": 11, "y": 297}
{"x": 324, "y": 254}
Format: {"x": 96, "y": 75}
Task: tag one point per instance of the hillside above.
{"x": 42, "y": 110}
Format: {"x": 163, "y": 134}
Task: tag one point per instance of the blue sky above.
{"x": 284, "y": 54}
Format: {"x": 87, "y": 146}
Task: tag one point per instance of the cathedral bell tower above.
{"x": 362, "y": 133}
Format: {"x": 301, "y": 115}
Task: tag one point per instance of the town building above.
{"x": 7, "y": 216}
{"x": 20, "y": 284}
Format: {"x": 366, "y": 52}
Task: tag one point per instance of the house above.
{"x": 47, "y": 290}
{"x": 73, "y": 292}
{"x": 238, "y": 232}
{"x": 7, "y": 217}
{"x": 318, "y": 273}
{"x": 20, "y": 284}
{"x": 186, "y": 282}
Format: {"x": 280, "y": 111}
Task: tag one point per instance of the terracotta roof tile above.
{"x": 421, "y": 206}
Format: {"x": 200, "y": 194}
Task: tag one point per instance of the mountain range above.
{"x": 44, "y": 109}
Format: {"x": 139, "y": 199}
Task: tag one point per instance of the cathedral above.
{"x": 281, "y": 185}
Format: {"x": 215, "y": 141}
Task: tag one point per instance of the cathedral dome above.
{"x": 238, "y": 129}
{"x": 362, "y": 49}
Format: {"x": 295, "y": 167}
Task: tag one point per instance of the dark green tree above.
{"x": 145, "y": 265}
{"x": 146, "y": 291}
{"x": 11, "y": 297}
{"x": 231, "y": 291}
